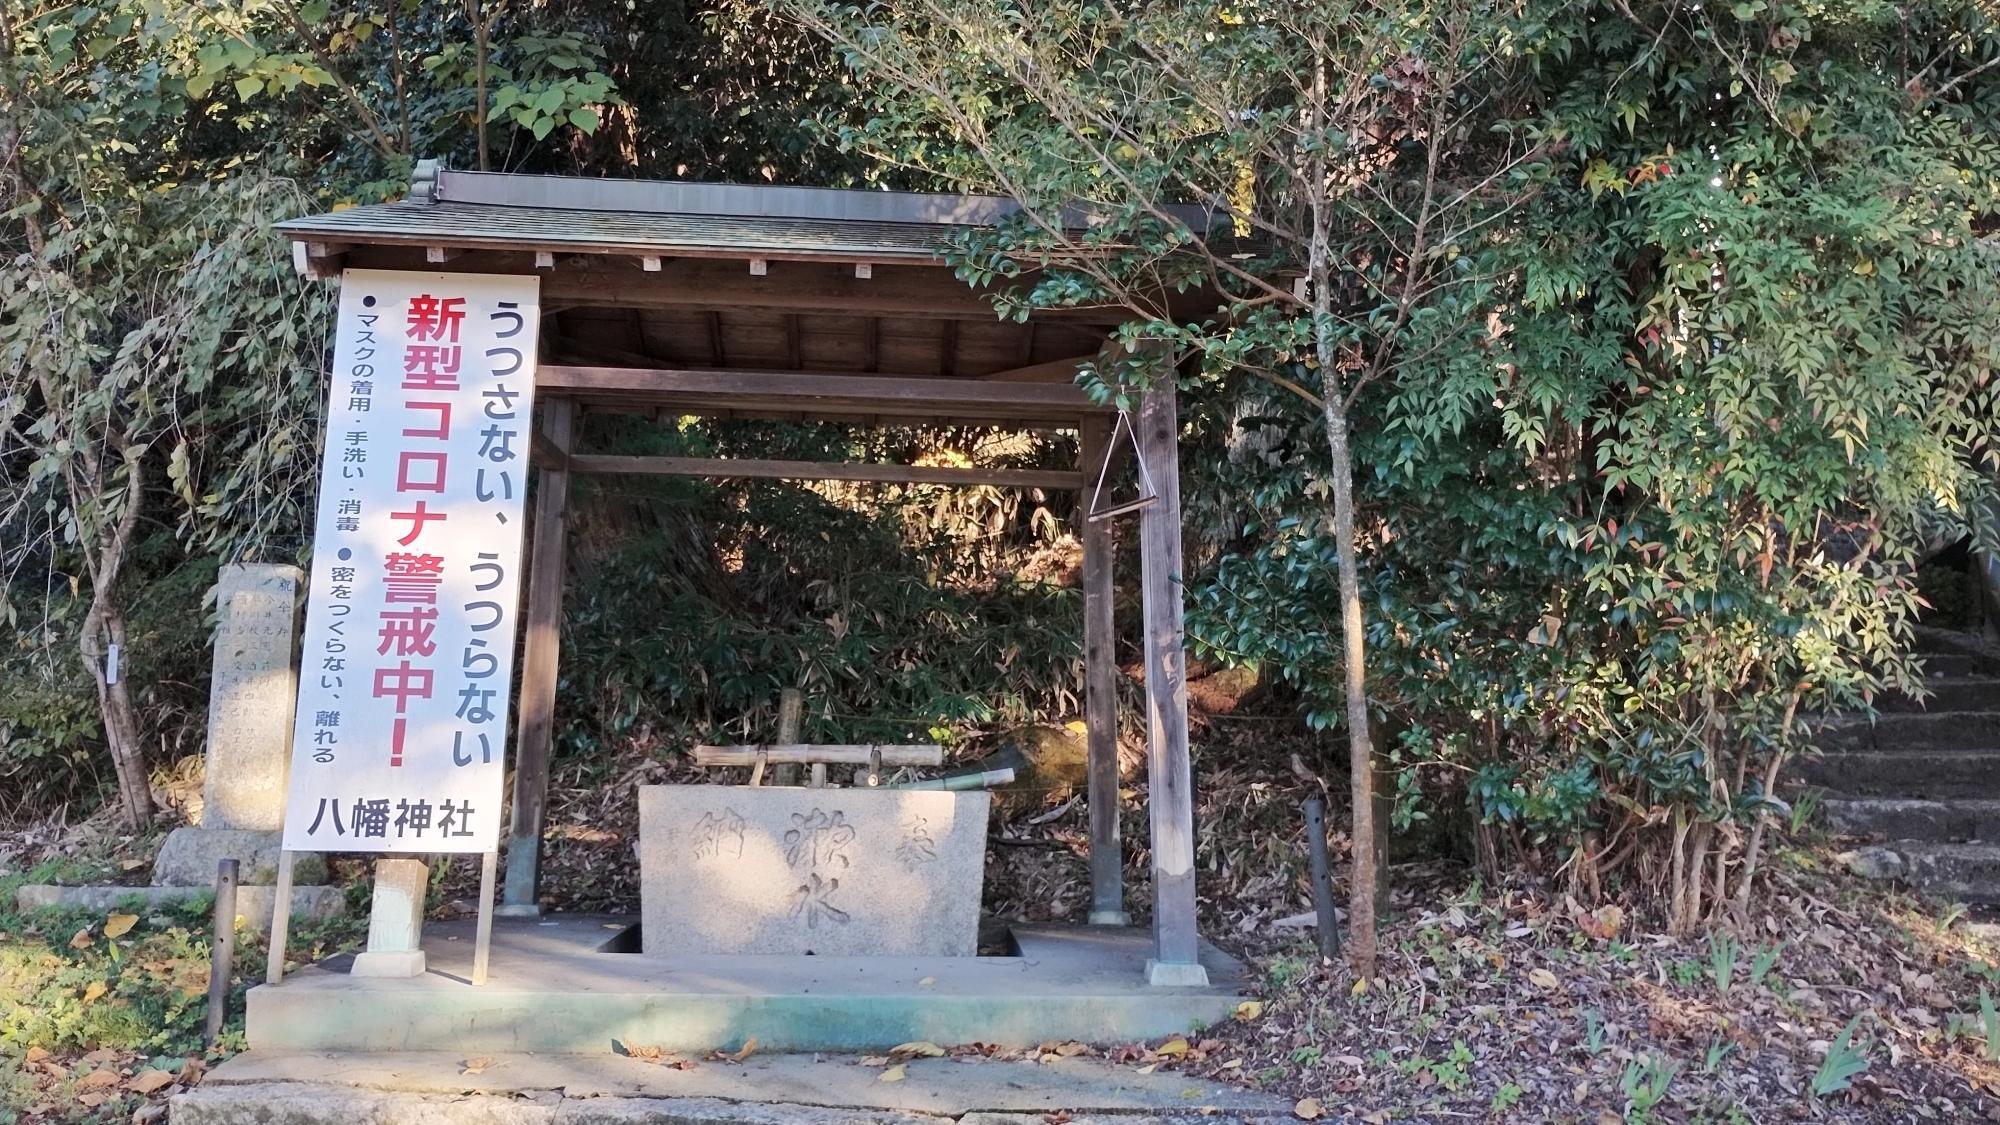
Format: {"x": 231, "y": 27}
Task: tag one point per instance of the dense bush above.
{"x": 904, "y": 612}
{"x": 1600, "y": 370}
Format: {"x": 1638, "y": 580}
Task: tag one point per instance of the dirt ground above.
{"x": 1836, "y": 1000}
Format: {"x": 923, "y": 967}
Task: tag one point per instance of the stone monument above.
{"x": 250, "y": 700}
{"x": 756, "y": 869}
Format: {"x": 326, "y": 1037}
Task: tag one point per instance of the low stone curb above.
{"x": 287, "y": 1103}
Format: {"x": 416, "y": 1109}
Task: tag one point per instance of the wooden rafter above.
{"x": 737, "y": 468}
{"x": 815, "y": 394}
{"x": 1048, "y": 371}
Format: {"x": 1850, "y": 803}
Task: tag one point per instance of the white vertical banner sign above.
{"x": 408, "y": 654}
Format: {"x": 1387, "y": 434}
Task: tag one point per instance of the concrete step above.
{"x": 555, "y": 986}
{"x": 1932, "y": 774}
{"x": 1960, "y": 872}
{"x": 1968, "y": 693}
{"x": 1902, "y": 818}
{"x": 1940, "y": 664}
{"x": 1929, "y": 730}
{"x": 604, "y": 1088}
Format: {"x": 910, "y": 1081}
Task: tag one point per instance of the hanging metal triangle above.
{"x": 1100, "y": 511}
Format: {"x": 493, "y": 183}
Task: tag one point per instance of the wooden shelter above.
{"x": 727, "y": 301}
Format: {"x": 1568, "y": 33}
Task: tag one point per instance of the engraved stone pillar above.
{"x": 253, "y": 689}
{"x": 395, "y": 921}
{"x": 252, "y": 692}
{"x": 251, "y": 697}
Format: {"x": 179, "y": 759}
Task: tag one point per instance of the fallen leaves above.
{"x": 658, "y": 1056}
{"x": 1249, "y": 1010}
{"x": 1602, "y": 924}
{"x": 920, "y": 1049}
{"x": 118, "y": 925}
{"x": 93, "y": 990}
{"x": 1544, "y": 980}
{"x": 894, "y": 1074}
{"x": 99, "y": 1079}
{"x": 481, "y": 1065}
{"x": 150, "y": 1081}
{"x": 1308, "y": 1109}
{"x": 1172, "y": 1049}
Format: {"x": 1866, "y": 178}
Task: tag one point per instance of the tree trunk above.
{"x": 121, "y": 724}
{"x": 1361, "y": 904}
{"x": 1361, "y": 898}
{"x": 106, "y": 623}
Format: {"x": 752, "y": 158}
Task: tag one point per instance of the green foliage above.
{"x": 1659, "y": 365}
{"x": 1989, "y": 1025}
{"x": 1645, "y": 1084}
{"x": 1844, "y": 1060}
{"x": 713, "y": 596}
{"x": 1722, "y": 953}
{"x": 71, "y": 981}
{"x": 1762, "y": 963}
{"x": 145, "y": 991}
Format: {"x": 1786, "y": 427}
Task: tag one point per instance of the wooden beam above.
{"x": 812, "y": 393}
{"x": 759, "y": 267}
{"x": 801, "y": 754}
{"x": 915, "y": 292}
{"x": 545, "y": 453}
{"x": 794, "y": 355}
{"x": 1048, "y": 371}
{"x": 534, "y": 727}
{"x": 948, "y": 350}
{"x": 864, "y": 270}
{"x": 438, "y": 255}
{"x": 871, "y": 344}
{"x": 589, "y": 352}
{"x": 738, "y": 468}
{"x": 650, "y": 264}
{"x": 1170, "y": 797}
{"x": 309, "y": 267}
{"x": 1100, "y": 690}
{"x": 545, "y": 260}
{"x": 791, "y": 722}
{"x": 717, "y": 355}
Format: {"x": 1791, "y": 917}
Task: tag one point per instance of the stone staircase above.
{"x": 1921, "y": 784}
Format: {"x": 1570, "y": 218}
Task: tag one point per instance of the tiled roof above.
{"x": 480, "y": 210}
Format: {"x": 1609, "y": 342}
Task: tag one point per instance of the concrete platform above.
{"x": 784, "y": 1087}
{"x": 556, "y": 985}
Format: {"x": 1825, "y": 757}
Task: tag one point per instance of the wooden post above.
{"x": 791, "y": 717}
{"x": 1176, "y": 954}
{"x": 1322, "y": 878}
{"x": 281, "y": 920}
{"x": 221, "y": 950}
{"x": 482, "y": 942}
{"x": 1100, "y": 690}
{"x": 535, "y": 720}
{"x": 1385, "y": 811}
